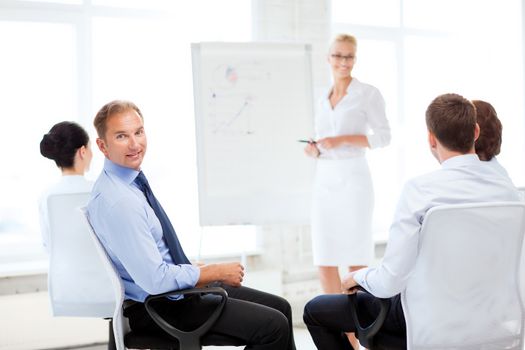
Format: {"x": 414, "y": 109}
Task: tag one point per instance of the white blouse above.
{"x": 67, "y": 184}
{"x": 360, "y": 112}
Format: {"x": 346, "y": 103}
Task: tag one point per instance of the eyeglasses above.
{"x": 341, "y": 58}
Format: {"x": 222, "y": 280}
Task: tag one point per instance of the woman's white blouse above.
{"x": 67, "y": 184}
{"x": 360, "y": 112}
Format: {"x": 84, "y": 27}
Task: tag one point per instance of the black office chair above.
{"x": 367, "y": 334}
{"x": 174, "y": 339}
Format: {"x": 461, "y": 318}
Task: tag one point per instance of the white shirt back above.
{"x": 462, "y": 179}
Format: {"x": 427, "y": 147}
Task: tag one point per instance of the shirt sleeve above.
{"x": 377, "y": 121}
{"x": 391, "y": 276}
{"x": 126, "y": 230}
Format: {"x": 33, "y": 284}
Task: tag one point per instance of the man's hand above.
{"x": 232, "y": 274}
{"x": 348, "y": 283}
{"x": 228, "y": 273}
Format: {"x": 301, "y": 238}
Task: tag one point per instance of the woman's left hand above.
{"x": 330, "y": 142}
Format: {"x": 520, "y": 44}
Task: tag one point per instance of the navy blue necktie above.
{"x": 174, "y": 247}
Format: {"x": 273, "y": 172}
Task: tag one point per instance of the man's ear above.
{"x": 102, "y": 146}
{"x": 477, "y": 131}
{"x": 432, "y": 141}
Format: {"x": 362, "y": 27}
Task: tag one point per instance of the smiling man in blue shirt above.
{"x": 148, "y": 257}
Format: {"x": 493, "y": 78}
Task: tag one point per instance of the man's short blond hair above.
{"x": 113, "y": 107}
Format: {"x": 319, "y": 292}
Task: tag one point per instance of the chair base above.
{"x": 165, "y": 342}
{"x": 388, "y": 342}
{"x": 144, "y": 341}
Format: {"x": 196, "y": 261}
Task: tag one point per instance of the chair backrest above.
{"x": 464, "y": 290}
{"x": 120, "y": 324}
{"x": 77, "y": 283}
{"x": 522, "y": 192}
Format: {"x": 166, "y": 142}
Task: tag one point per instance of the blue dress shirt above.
{"x": 132, "y": 236}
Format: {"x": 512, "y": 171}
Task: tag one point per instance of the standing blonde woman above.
{"x": 350, "y": 118}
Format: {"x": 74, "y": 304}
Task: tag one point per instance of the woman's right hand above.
{"x": 311, "y": 150}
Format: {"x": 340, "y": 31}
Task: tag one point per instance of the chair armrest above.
{"x": 366, "y": 334}
{"x": 194, "y": 335}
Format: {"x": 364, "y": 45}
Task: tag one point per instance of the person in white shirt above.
{"x": 350, "y": 117}
{"x": 67, "y": 143}
{"x": 463, "y": 178}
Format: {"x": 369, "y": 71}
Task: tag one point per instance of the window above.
{"x": 369, "y": 13}
{"x": 38, "y": 88}
{"x": 470, "y": 47}
{"x": 64, "y": 62}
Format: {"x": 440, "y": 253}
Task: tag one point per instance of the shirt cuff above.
{"x": 194, "y": 273}
{"x": 373, "y": 141}
{"x": 360, "y": 276}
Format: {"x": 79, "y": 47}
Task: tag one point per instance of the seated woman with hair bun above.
{"x": 67, "y": 143}
{"x": 488, "y": 144}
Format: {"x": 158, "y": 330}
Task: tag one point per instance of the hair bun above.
{"x": 50, "y": 145}
{"x": 62, "y": 142}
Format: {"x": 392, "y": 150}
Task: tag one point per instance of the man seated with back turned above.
{"x": 463, "y": 178}
{"x": 146, "y": 252}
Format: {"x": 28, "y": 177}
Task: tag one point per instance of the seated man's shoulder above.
{"x": 427, "y": 179}
{"x": 475, "y": 183}
{"x": 113, "y": 193}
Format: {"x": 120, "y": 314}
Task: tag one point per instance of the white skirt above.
{"x": 342, "y": 206}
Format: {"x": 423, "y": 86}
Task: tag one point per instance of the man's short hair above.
{"x": 109, "y": 109}
{"x": 488, "y": 143}
{"x": 452, "y": 119}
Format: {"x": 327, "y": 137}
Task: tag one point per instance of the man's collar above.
{"x": 463, "y": 159}
{"x": 128, "y": 175}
